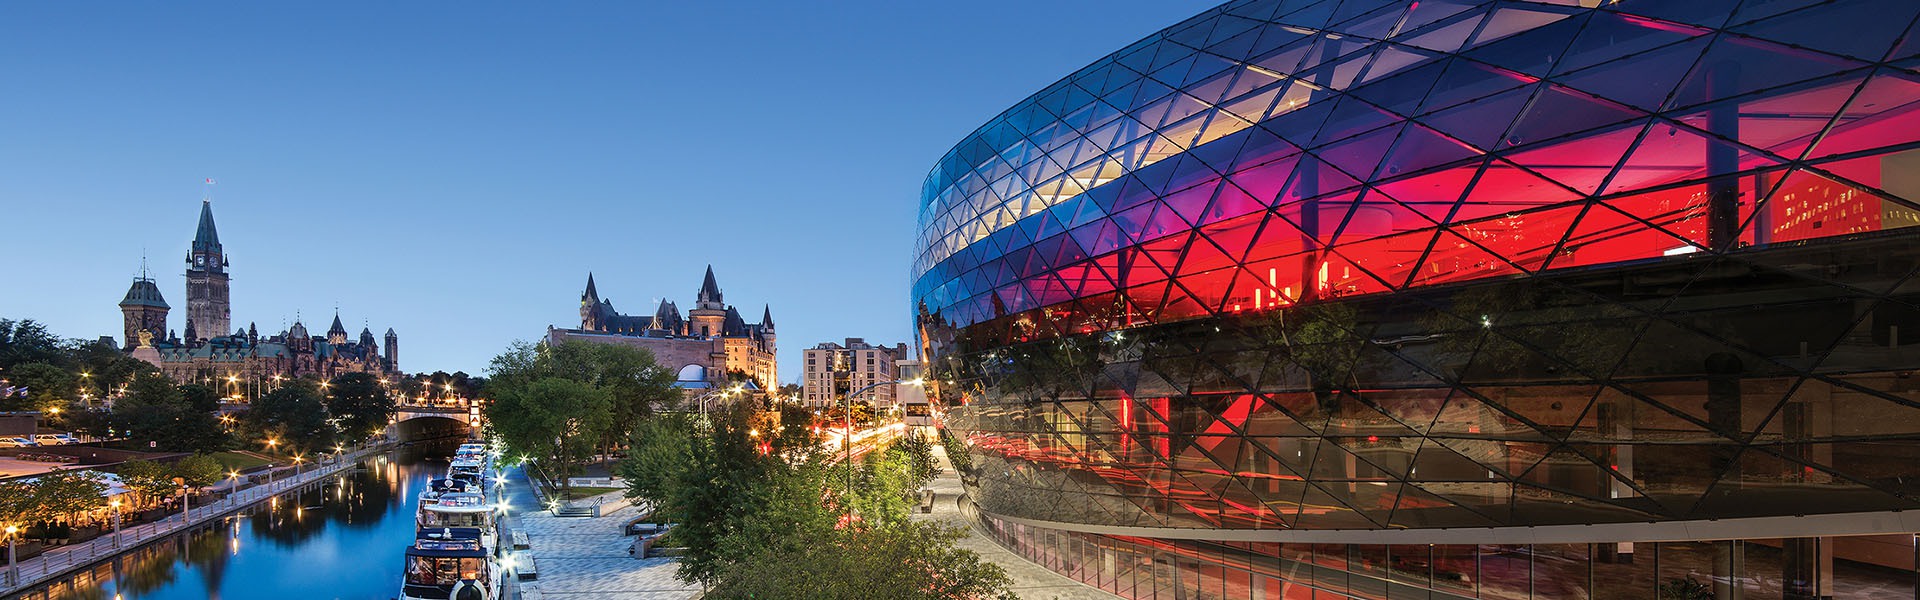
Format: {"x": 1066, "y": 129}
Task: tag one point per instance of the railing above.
{"x": 59, "y": 561}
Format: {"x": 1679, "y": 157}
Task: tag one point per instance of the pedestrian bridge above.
{"x": 412, "y": 423}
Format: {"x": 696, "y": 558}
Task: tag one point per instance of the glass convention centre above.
{"x": 1447, "y": 299}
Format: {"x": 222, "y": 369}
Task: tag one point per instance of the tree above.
{"x": 294, "y": 414}
{"x": 917, "y": 452}
{"x": 910, "y": 561}
{"x": 48, "y": 386}
{"x": 359, "y": 404}
{"x": 199, "y": 470}
{"x": 155, "y": 412}
{"x": 764, "y": 525}
{"x": 17, "y": 505}
{"x": 633, "y": 384}
{"x": 149, "y": 480}
{"x": 66, "y": 493}
{"x": 27, "y": 341}
{"x": 661, "y": 448}
{"x": 557, "y": 420}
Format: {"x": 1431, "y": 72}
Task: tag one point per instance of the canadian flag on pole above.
{"x": 209, "y": 181}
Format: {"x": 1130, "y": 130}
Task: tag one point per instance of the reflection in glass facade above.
{"x": 1369, "y": 291}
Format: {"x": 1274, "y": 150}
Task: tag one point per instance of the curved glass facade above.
{"x": 1299, "y": 268}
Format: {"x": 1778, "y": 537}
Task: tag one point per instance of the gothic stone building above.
{"x": 207, "y": 353}
{"x": 705, "y": 345}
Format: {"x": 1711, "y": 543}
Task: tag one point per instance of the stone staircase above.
{"x": 574, "y": 511}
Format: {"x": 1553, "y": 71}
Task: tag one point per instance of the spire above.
{"x": 337, "y": 327}
{"x": 709, "y": 290}
{"x": 591, "y": 293}
{"x": 766, "y": 317}
{"x": 207, "y": 238}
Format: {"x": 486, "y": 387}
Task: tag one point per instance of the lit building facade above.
{"x": 709, "y": 345}
{"x": 1448, "y": 299}
{"x": 245, "y": 359}
{"x": 834, "y": 370}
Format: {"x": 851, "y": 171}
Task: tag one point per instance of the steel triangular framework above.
{"x": 1350, "y": 264}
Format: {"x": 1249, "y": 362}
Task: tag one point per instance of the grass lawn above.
{"x": 235, "y": 461}
{"x": 589, "y": 492}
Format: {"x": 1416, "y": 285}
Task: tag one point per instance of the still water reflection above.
{"x": 341, "y": 539}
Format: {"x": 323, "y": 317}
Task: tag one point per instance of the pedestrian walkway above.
{"x": 61, "y": 560}
{"x": 1030, "y": 581}
{"x": 587, "y": 557}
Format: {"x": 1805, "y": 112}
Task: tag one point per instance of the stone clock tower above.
{"x": 207, "y": 306}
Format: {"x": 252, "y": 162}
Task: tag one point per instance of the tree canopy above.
{"x": 359, "y": 404}
{"x": 295, "y": 415}
{"x": 562, "y": 402}
{"x": 775, "y": 518}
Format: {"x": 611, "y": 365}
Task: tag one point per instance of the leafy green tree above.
{"x": 917, "y": 452}
{"x": 63, "y": 494}
{"x": 294, "y": 414}
{"x": 634, "y": 385}
{"x": 910, "y": 561}
{"x": 149, "y": 480}
{"x": 359, "y": 404}
{"x": 763, "y": 525}
{"x": 156, "y": 413}
{"x": 17, "y": 505}
{"x": 48, "y": 386}
{"x": 106, "y": 366}
{"x": 199, "y": 470}
{"x": 557, "y": 420}
{"x": 199, "y": 398}
{"x": 27, "y": 341}
{"x": 661, "y": 448}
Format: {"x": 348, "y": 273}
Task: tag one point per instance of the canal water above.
{"x": 342, "y": 538}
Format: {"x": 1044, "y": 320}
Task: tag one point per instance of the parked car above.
{"x": 55, "y": 439}
{"x": 16, "y": 442}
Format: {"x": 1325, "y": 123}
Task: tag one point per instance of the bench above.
{"x": 926, "y": 501}
{"x": 526, "y": 570}
{"x": 520, "y": 540}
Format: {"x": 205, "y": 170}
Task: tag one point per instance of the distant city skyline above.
{"x": 455, "y": 174}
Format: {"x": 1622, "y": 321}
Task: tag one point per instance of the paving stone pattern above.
{"x": 587, "y": 558}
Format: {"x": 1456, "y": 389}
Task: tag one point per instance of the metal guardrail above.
{"x": 60, "y": 561}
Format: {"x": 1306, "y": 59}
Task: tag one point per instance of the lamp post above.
{"x": 186, "y": 513}
{"x": 13, "y": 572}
{"x": 116, "y": 521}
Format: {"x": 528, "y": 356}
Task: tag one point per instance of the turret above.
{"x": 143, "y": 311}
{"x": 709, "y": 296}
{"x": 393, "y": 350}
{"x": 709, "y": 315}
{"x": 589, "y": 306}
{"x": 337, "y": 334}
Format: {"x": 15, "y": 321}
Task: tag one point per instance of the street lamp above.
{"x": 13, "y": 572}
{"x": 116, "y": 521}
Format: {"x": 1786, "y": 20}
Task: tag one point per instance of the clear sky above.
{"x": 454, "y": 169}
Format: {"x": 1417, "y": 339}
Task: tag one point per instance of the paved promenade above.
{"x": 1030, "y": 581}
{"x": 586, "y": 557}
{"x": 62, "y": 559}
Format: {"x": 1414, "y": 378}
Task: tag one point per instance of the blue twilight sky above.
{"x": 454, "y": 170}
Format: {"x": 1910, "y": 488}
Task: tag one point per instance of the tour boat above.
{"x": 450, "y": 563}
{"x": 462, "y": 510}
